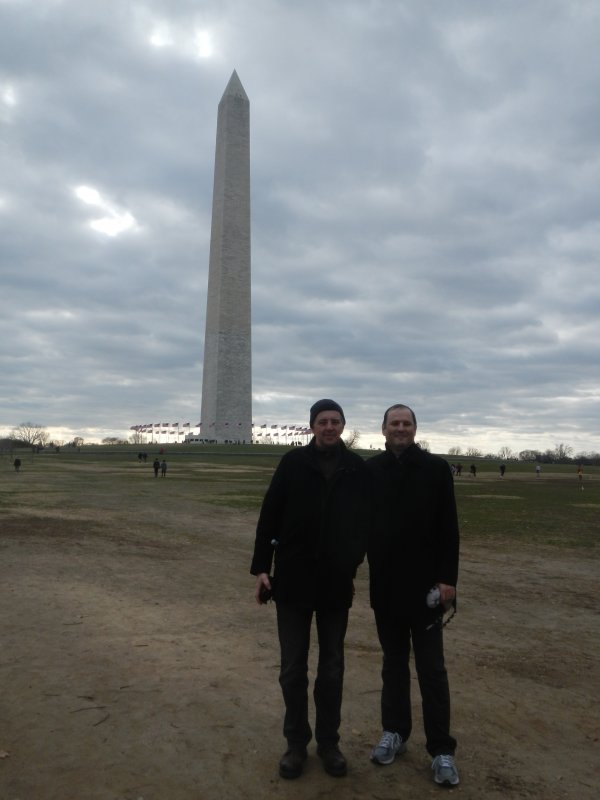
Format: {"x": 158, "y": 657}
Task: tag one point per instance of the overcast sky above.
{"x": 425, "y": 212}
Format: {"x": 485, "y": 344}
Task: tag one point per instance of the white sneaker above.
{"x": 390, "y": 745}
{"x": 444, "y": 771}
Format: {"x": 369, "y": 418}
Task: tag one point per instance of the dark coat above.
{"x": 320, "y": 528}
{"x": 414, "y": 542}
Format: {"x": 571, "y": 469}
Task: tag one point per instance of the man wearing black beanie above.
{"x": 325, "y": 405}
{"x": 313, "y": 524}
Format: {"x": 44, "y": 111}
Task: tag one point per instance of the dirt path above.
{"x": 137, "y": 666}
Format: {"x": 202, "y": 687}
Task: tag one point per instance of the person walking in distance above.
{"x": 413, "y": 549}
{"x": 313, "y": 523}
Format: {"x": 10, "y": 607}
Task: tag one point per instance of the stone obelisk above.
{"x": 227, "y": 372}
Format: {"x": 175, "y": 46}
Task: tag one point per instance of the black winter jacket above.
{"x": 319, "y": 528}
{"x": 415, "y": 541}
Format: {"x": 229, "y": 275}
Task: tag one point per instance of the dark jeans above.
{"x": 293, "y": 626}
{"x": 395, "y": 635}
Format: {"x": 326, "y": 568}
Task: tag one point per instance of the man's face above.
{"x": 327, "y": 428}
{"x": 399, "y": 429}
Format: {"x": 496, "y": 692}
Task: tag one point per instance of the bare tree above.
{"x": 563, "y": 452}
{"x": 137, "y": 438}
{"x": 529, "y": 455}
{"x": 455, "y": 451}
{"x": 473, "y": 452}
{"x": 352, "y": 439}
{"x": 31, "y": 434}
{"x": 505, "y": 453}
{"x": 77, "y": 441}
{"x": 424, "y": 445}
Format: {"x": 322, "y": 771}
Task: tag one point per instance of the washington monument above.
{"x": 227, "y": 372}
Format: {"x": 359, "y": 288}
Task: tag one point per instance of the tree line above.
{"x": 559, "y": 454}
{"x": 29, "y": 434}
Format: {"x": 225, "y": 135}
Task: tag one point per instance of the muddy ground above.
{"x": 136, "y": 665}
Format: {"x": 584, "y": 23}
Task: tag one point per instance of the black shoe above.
{"x": 292, "y": 762}
{"x": 333, "y": 760}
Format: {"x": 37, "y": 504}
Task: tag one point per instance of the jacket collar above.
{"x": 412, "y": 455}
{"x": 311, "y": 450}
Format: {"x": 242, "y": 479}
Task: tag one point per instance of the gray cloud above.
{"x": 425, "y": 212}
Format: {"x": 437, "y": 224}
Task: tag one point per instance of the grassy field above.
{"x": 137, "y": 664}
{"x": 551, "y": 509}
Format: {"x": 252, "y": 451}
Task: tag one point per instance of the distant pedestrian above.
{"x": 580, "y": 475}
{"x": 163, "y": 468}
{"x": 459, "y": 470}
{"x": 156, "y": 467}
{"x": 538, "y": 470}
{"x": 502, "y": 470}
{"x": 17, "y": 464}
{"x": 473, "y": 470}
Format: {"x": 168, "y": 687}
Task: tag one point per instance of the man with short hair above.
{"x": 412, "y": 550}
{"x": 313, "y": 523}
